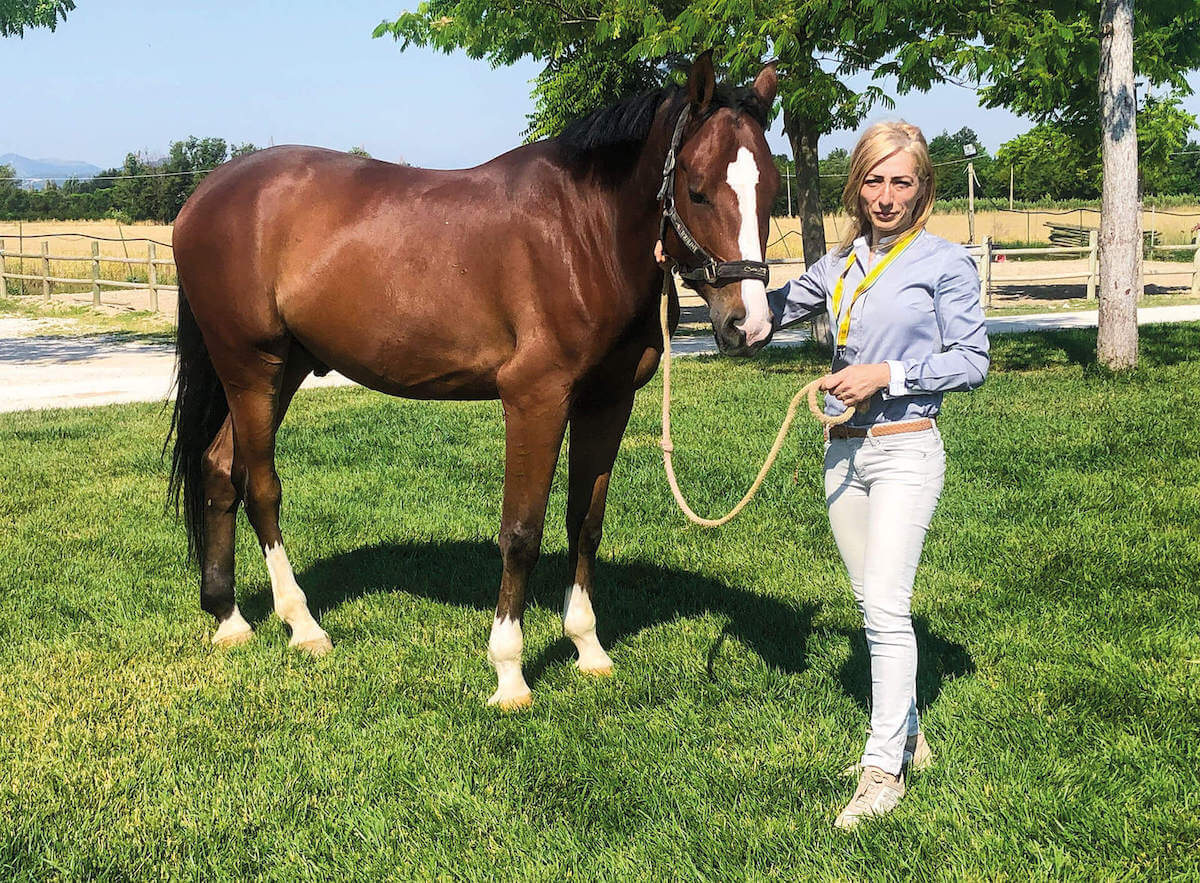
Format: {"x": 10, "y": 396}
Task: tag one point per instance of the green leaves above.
{"x": 17, "y": 15}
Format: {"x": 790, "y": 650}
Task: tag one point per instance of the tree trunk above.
{"x": 803, "y": 135}
{"x": 1120, "y": 206}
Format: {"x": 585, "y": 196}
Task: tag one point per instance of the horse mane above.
{"x": 615, "y": 134}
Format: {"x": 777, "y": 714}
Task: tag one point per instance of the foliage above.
{"x": 358, "y": 150}
{"x": 17, "y": 15}
{"x": 1055, "y": 614}
{"x": 1042, "y": 59}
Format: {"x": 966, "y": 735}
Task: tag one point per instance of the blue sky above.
{"x": 127, "y": 75}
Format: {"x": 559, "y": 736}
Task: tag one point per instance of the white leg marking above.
{"x": 504, "y": 653}
{"x": 743, "y": 178}
{"x": 292, "y": 606}
{"x": 233, "y": 631}
{"x": 579, "y": 624}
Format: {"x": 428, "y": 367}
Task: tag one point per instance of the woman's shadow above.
{"x": 632, "y": 597}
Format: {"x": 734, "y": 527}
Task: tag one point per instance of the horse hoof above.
{"x": 597, "y": 671}
{"x": 317, "y": 646}
{"x": 512, "y": 703}
{"x": 232, "y": 639}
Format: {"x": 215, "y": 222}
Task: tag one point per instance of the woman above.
{"x": 908, "y": 327}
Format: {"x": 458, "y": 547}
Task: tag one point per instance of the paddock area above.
{"x": 1056, "y": 615}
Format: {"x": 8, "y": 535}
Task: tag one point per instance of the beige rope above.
{"x": 809, "y": 389}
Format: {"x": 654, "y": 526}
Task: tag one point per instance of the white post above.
{"x": 971, "y": 203}
{"x": 1010, "y": 187}
{"x": 3, "y": 282}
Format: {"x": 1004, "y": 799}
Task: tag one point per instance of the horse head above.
{"x": 719, "y": 187}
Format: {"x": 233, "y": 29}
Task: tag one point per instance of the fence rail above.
{"x": 151, "y": 262}
{"x": 985, "y": 254}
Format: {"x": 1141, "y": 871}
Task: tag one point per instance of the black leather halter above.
{"x": 710, "y": 271}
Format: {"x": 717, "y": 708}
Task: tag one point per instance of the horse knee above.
{"x": 219, "y": 490}
{"x": 520, "y": 544}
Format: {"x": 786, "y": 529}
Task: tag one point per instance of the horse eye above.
{"x": 697, "y": 198}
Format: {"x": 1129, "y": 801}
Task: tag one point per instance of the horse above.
{"x": 531, "y": 278}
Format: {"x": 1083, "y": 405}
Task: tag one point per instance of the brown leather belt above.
{"x": 844, "y": 431}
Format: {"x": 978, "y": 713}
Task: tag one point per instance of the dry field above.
{"x": 1015, "y": 282}
{"x": 1174, "y": 228}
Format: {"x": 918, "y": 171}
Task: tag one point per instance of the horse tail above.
{"x": 200, "y": 409}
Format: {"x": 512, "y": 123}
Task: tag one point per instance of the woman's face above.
{"x": 889, "y": 193}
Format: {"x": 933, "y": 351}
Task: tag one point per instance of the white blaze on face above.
{"x": 743, "y": 178}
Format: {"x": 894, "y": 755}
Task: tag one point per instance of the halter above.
{"x": 710, "y": 271}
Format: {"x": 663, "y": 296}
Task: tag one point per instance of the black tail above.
{"x": 200, "y": 409}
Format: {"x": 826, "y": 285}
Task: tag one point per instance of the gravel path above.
{"x": 47, "y": 371}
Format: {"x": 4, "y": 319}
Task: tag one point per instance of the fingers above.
{"x": 658, "y": 253}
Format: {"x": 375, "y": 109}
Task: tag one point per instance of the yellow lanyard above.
{"x": 868, "y": 280}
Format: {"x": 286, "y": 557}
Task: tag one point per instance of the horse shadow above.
{"x": 632, "y": 597}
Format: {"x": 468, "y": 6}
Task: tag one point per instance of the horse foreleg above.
{"x": 534, "y": 432}
{"x": 596, "y": 432}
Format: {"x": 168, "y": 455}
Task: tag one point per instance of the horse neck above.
{"x": 638, "y": 204}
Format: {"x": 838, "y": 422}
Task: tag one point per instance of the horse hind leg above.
{"x": 217, "y": 568}
{"x": 256, "y": 410}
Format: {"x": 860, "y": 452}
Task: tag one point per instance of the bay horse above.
{"x": 530, "y": 278}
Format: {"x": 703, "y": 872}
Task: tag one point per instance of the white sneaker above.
{"x": 877, "y": 794}
{"x": 917, "y": 757}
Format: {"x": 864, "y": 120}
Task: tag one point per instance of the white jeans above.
{"x": 881, "y": 492}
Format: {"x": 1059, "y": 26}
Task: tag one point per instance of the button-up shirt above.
{"x": 922, "y": 316}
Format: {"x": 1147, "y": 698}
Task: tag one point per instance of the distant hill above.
{"x": 48, "y": 168}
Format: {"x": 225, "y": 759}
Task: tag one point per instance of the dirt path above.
{"x": 39, "y": 370}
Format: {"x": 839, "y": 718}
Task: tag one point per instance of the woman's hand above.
{"x": 658, "y": 254}
{"x": 855, "y": 384}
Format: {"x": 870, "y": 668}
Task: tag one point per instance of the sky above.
{"x": 130, "y": 75}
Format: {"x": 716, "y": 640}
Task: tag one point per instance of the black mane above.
{"x": 619, "y": 127}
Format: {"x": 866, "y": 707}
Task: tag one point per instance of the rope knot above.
{"x": 667, "y": 447}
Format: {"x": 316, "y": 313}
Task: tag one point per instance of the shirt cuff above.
{"x": 896, "y": 386}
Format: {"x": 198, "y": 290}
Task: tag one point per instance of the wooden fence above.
{"x": 985, "y": 254}
{"x": 43, "y": 258}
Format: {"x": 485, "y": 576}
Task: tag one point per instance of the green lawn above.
{"x": 1057, "y": 613}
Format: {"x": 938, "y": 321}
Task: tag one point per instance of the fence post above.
{"x": 95, "y": 273}
{"x": 1093, "y": 248}
{"x": 153, "y": 276}
{"x": 985, "y": 275}
{"x": 3, "y": 281}
{"x": 1195, "y": 266}
{"x": 45, "y": 270}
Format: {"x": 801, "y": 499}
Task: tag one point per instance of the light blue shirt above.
{"x": 922, "y": 316}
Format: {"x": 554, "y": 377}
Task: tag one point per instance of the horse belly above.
{"x": 401, "y": 352}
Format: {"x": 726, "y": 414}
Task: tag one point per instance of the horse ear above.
{"x": 702, "y": 82}
{"x": 766, "y": 84}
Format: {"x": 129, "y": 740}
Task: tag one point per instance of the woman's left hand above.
{"x": 855, "y": 384}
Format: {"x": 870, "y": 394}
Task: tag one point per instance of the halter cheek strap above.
{"x": 709, "y": 271}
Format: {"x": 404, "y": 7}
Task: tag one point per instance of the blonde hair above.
{"x": 879, "y": 142}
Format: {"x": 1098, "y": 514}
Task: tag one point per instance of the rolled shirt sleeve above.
{"x": 801, "y": 298}
{"x": 963, "y": 362}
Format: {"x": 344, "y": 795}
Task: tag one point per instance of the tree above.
{"x": 1046, "y": 60}
{"x": 1050, "y": 161}
{"x": 359, "y": 150}
{"x": 1162, "y": 130}
{"x": 17, "y": 15}
{"x": 597, "y": 52}
{"x": 946, "y": 151}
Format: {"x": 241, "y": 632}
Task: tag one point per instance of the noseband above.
{"x": 710, "y": 271}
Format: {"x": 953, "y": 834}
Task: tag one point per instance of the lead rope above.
{"x": 809, "y": 389}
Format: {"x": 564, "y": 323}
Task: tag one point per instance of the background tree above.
{"x": 17, "y": 15}
{"x": 597, "y": 52}
{"x": 1073, "y": 62}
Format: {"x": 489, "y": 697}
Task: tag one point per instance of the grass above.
{"x": 1081, "y": 303}
{"x": 1056, "y": 611}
